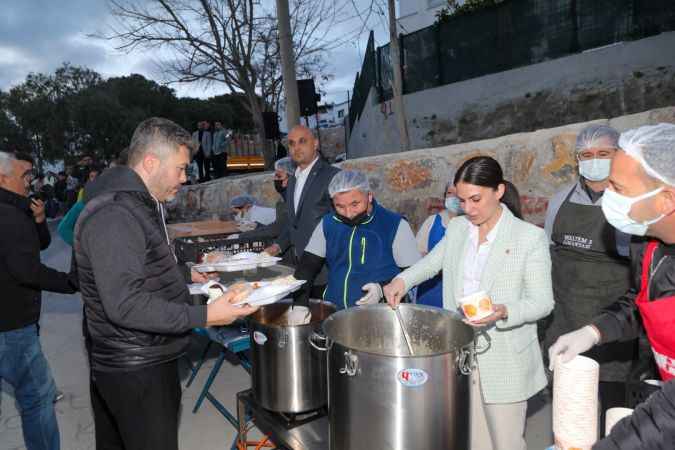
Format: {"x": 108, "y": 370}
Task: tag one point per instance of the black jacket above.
{"x": 652, "y": 425}
{"x": 137, "y": 306}
{"x": 22, "y": 275}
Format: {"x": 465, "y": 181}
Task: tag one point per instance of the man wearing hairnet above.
{"x": 640, "y": 200}
{"x": 363, "y": 245}
{"x": 245, "y": 209}
{"x": 590, "y": 265}
{"x": 283, "y": 169}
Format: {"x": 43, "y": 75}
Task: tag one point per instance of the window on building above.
{"x": 341, "y": 113}
{"x": 435, "y": 3}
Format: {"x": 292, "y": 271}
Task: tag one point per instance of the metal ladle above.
{"x": 406, "y": 337}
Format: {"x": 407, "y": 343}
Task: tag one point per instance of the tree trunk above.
{"x": 395, "y": 56}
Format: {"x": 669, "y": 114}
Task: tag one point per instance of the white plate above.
{"x": 270, "y": 293}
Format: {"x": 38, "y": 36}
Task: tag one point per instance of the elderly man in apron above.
{"x": 590, "y": 264}
{"x": 640, "y": 201}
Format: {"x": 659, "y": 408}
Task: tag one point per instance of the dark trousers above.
{"x": 204, "y": 166}
{"x": 137, "y": 409}
{"x": 219, "y": 165}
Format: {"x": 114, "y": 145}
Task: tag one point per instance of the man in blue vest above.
{"x": 363, "y": 245}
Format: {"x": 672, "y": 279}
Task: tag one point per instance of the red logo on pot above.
{"x": 412, "y": 377}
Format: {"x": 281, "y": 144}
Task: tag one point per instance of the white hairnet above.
{"x": 596, "y": 136}
{"x": 286, "y": 164}
{"x": 348, "y": 180}
{"x": 653, "y": 146}
{"x": 242, "y": 200}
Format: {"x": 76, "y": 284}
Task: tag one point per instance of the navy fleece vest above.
{"x": 359, "y": 255}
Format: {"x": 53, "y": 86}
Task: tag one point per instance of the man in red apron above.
{"x": 641, "y": 201}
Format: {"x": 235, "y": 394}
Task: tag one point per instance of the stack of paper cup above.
{"x": 613, "y": 415}
{"x": 575, "y": 403}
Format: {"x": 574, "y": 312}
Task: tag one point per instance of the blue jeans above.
{"x": 23, "y": 366}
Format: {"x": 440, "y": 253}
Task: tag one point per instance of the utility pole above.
{"x": 288, "y": 65}
{"x": 395, "y": 56}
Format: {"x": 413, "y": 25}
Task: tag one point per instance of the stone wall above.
{"x": 620, "y": 79}
{"x": 538, "y": 163}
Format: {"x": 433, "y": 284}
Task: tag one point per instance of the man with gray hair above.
{"x": 23, "y": 233}
{"x": 137, "y": 307}
{"x": 590, "y": 265}
{"x": 640, "y": 200}
{"x": 363, "y": 245}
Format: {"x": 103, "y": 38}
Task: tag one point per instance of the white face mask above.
{"x": 616, "y": 208}
{"x": 595, "y": 169}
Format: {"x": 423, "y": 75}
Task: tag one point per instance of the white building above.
{"x": 416, "y": 14}
{"x": 330, "y": 115}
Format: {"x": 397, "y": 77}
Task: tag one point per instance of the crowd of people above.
{"x": 210, "y": 150}
{"x": 594, "y": 280}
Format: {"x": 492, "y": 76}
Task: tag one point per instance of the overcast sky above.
{"x": 39, "y": 35}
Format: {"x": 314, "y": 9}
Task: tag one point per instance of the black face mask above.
{"x": 357, "y": 220}
{"x": 279, "y": 187}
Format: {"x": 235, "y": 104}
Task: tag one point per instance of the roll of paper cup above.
{"x": 613, "y": 415}
{"x": 575, "y": 403}
{"x": 476, "y": 306}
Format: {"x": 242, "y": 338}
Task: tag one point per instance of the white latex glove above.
{"x": 373, "y": 294}
{"x": 298, "y": 315}
{"x": 569, "y": 345}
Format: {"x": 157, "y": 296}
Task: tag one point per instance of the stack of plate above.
{"x": 240, "y": 261}
{"x": 575, "y": 404}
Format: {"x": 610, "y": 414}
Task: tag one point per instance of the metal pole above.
{"x": 318, "y": 131}
{"x": 288, "y": 65}
{"x": 395, "y": 54}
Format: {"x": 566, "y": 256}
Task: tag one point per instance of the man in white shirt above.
{"x": 307, "y": 192}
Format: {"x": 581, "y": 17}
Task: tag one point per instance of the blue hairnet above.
{"x": 242, "y": 200}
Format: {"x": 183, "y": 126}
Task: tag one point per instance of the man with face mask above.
{"x": 283, "y": 168}
{"x": 640, "y": 200}
{"x": 590, "y": 266}
{"x": 363, "y": 245}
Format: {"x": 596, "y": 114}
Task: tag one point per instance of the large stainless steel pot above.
{"x": 288, "y": 374}
{"x": 379, "y": 397}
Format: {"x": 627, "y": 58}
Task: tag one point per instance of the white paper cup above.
{"x": 613, "y": 415}
{"x": 476, "y": 306}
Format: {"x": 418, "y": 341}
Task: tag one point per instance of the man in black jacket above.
{"x": 137, "y": 306}
{"x": 640, "y": 200}
{"x": 23, "y": 233}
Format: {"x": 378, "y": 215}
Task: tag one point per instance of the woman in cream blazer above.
{"x": 490, "y": 249}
